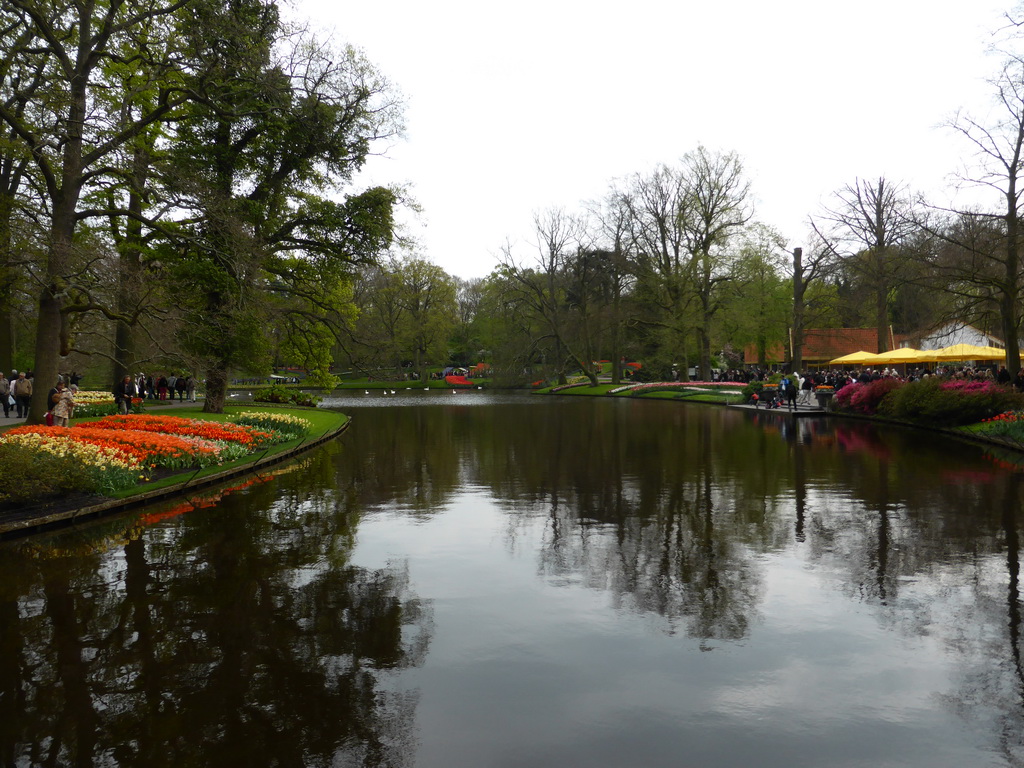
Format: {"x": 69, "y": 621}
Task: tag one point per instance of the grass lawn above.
{"x": 722, "y": 396}
{"x": 600, "y": 389}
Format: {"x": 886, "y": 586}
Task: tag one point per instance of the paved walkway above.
{"x": 801, "y": 410}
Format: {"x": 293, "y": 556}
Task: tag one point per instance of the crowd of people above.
{"x": 159, "y": 386}
{"x": 153, "y": 387}
{"x": 795, "y": 389}
{"x": 16, "y": 393}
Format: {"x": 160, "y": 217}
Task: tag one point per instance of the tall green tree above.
{"x": 428, "y": 295}
{"x": 756, "y": 302}
{"x": 69, "y": 138}
{"x": 277, "y": 129}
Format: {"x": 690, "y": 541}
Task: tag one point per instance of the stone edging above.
{"x": 18, "y": 528}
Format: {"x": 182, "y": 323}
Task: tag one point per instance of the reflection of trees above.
{"x": 640, "y": 502}
{"x": 986, "y": 632}
{"x": 232, "y": 638}
{"x": 403, "y": 455}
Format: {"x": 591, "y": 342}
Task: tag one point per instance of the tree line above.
{"x": 176, "y": 190}
{"x": 175, "y": 184}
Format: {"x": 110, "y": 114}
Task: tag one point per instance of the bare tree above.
{"x": 542, "y": 286}
{"x": 616, "y": 254}
{"x": 718, "y": 207}
{"x": 999, "y": 147}
{"x": 867, "y": 225}
{"x": 808, "y": 268}
{"x": 657, "y": 205}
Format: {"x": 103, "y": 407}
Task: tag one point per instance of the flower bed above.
{"x": 115, "y": 452}
{"x": 1009, "y": 425}
{"x": 623, "y": 388}
{"x": 173, "y": 425}
{"x": 148, "y": 449}
{"x": 62, "y": 465}
{"x": 291, "y": 427}
{"x": 570, "y": 386}
{"x": 90, "y": 402}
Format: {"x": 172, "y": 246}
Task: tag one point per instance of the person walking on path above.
{"x": 787, "y": 388}
{"x": 52, "y": 398}
{"x": 22, "y": 395}
{"x": 124, "y": 391}
{"x": 5, "y": 395}
{"x": 65, "y": 406}
{"x": 807, "y": 389}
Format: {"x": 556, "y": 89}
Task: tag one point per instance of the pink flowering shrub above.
{"x": 951, "y": 403}
{"x": 865, "y": 398}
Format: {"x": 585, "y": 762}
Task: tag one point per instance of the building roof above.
{"x": 823, "y": 344}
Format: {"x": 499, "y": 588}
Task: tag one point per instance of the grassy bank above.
{"x": 667, "y": 391}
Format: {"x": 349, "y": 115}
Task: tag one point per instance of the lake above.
{"x": 480, "y": 579}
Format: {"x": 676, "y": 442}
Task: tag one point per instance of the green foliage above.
{"x": 935, "y": 402}
{"x": 283, "y": 395}
{"x": 30, "y": 475}
{"x": 657, "y": 370}
{"x": 752, "y": 387}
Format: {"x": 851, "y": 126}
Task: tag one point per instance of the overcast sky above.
{"x": 513, "y": 108}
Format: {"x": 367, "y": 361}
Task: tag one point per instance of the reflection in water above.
{"x": 858, "y": 590}
{"x": 238, "y": 635}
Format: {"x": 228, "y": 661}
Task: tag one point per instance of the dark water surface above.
{"x": 484, "y": 580}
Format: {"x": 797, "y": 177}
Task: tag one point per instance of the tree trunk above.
{"x": 64, "y": 199}
{"x": 882, "y": 316}
{"x": 1010, "y": 311}
{"x": 216, "y": 388}
{"x": 130, "y": 270}
{"x": 616, "y": 356}
{"x": 49, "y": 328}
{"x": 798, "y": 310}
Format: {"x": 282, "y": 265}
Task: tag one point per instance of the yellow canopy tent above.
{"x": 996, "y": 353}
{"x": 902, "y": 355}
{"x": 962, "y": 352}
{"x": 855, "y": 358}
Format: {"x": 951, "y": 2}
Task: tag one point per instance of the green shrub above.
{"x": 285, "y": 396}
{"x": 650, "y": 373}
{"x": 273, "y": 394}
{"x": 29, "y": 475}
{"x": 754, "y": 386}
{"x": 950, "y": 403}
{"x": 306, "y": 399}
